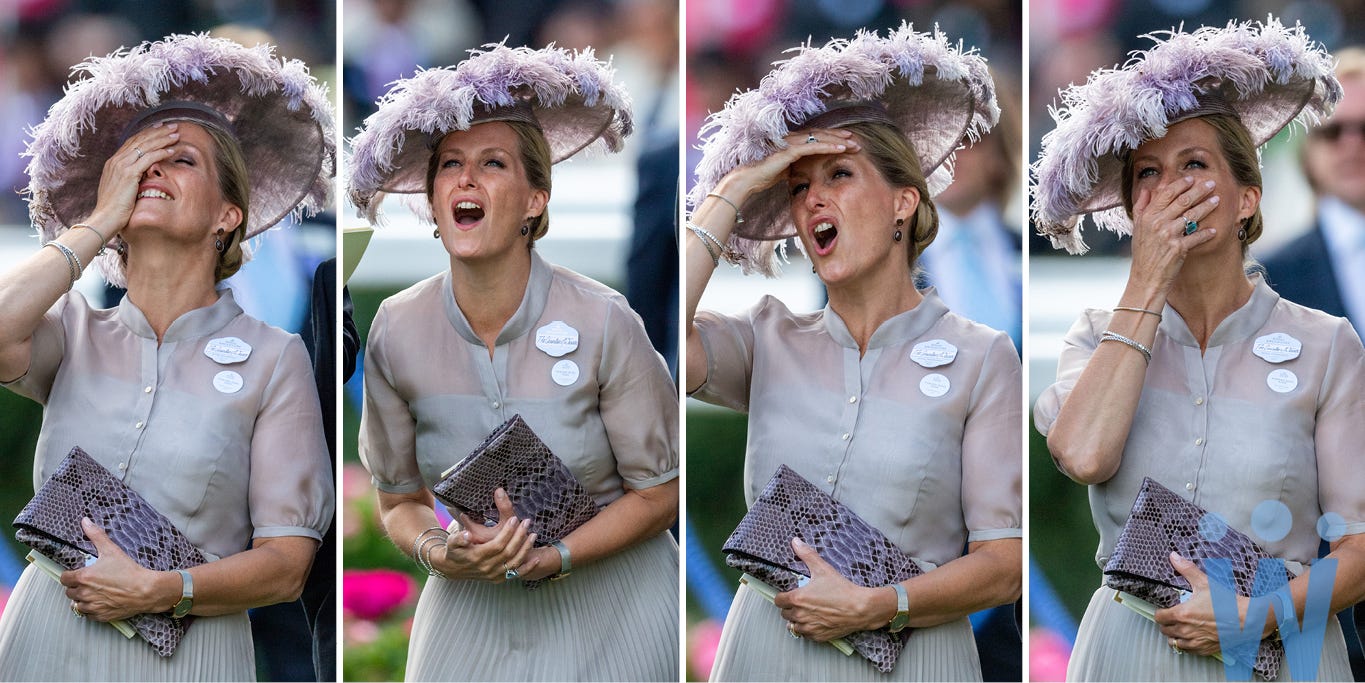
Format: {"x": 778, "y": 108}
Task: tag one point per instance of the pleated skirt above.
{"x": 1115, "y": 643}
{"x": 612, "y": 620}
{"x": 755, "y": 646}
{"x": 42, "y": 640}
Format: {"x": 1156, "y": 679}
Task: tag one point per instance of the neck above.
{"x": 489, "y": 292}
{"x": 1207, "y": 290}
{"x": 167, "y": 283}
{"x": 864, "y": 306}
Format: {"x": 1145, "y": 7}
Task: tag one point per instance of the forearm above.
{"x": 1348, "y": 586}
{"x": 989, "y": 574}
{"x": 405, "y": 516}
{"x": 718, "y": 218}
{"x": 29, "y": 289}
{"x": 272, "y": 571}
{"x": 637, "y": 516}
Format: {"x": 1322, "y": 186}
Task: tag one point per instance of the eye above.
{"x": 185, "y": 160}
{"x": 496, "y": 163}
{"x": 1195, "y": 163}
{"x": 798, "y": 188}
{"x": 450, "y": 163}
{"x": 1146, "y": 172}
{"x": 842, "y": 173}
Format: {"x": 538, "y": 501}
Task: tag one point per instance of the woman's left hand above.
{"x": 540, "y": 563}
{"x": 829, "y": 606}
{"x": 1191, "y": 626}
{"x": 114, "y": 586}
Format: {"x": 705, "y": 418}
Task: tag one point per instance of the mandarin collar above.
{"x": 898, "y": 328}
{"x": 199, "y": 322}
{"x": 532, "y": 305}
{"x": 1240, "y": 325}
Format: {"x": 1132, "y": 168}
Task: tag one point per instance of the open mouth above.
{"x": 824, "y": 235}
{"x": 152, "y": 194}
{"x": 468, "y": 213}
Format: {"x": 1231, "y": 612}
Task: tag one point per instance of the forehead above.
{"x": 1180, "y": 136}
{"x": 494, "y": 134}
{"x": 1352, "y": 104}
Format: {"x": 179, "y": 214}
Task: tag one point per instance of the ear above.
{"x": 1249, "y": 200}
{"x": 536, "y": 206}
{"x": 231, "y": 217}
{"x": 906, "y": 202}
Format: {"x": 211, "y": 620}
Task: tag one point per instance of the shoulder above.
{"x": 989, "y": 345}
{"x": 267, "y": 339}
{"x": 1310, "y": 321}
{"x": 578, "y": 288}
{"x": 419, "y": 299}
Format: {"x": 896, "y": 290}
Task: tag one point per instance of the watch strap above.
{"x": 565, "y": 562}
{"x": 186, "y": 602}
{"x": 902, "y": 617}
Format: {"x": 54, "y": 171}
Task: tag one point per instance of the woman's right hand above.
{"x": 1159, "y": 240}
{"x": 485, "y": 553}
{"x": 123, "y": 172}
{"x": 744, "y": 181}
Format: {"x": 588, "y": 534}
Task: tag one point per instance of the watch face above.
{"x": 183, "y": 607}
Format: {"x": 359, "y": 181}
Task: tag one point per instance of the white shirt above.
{"x": 1343, "y": 228}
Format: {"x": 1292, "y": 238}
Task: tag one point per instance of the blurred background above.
{"x": 731, "y": 44}
{"x": 614, "y": 221}
{"x": 1069, "y": 39}
{"x": 40, "y": 40}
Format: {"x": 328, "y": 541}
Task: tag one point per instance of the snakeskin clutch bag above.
{"x": 1161, "y": 522}
{"x": 540, "y": 487}
{"x": 792, "y": 507}
{"x": 81, "y": 487}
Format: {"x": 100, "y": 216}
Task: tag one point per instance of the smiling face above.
{"x": 1204, "y": 151}
{"x": 845, "y": 214}
{"x": 480, "y": 194}
{"x": 182, "y": 197}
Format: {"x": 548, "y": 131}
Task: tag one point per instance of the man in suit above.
{"x": 1325, "y": 268}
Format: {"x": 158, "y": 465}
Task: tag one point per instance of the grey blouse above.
{"x": 229, "y": 449}
{"x": 928, "y": 455}
{"x": 1230, "y": 429}
{"x": 606, "y": 405}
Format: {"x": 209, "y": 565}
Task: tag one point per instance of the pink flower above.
{"x": 374, "y": 593}
{"x": 702, "y": 640}
{"x": 1048, "y": 655}
{"x": 361, "y": 632}
{"x": 355, "y": 482}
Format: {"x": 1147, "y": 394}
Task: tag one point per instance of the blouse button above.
{"x": 830, "y": 479}
{"x": 1189, "y": 486}
{"x": 138, "y": 425}
{"x": 1199, "y": 441}
{"x": 845, "y": 436}
{"x": 1199, "y": 401}
{"x": 123, "y": 465}
{"x": 146, "y": 390}
{"x": 852, "y": 399}
{"x": 495, "y": 404}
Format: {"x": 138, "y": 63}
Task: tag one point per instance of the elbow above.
{"x": 1084, "y": 464}
{"x": 290, "y": 587}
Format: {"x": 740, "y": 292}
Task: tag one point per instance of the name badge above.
{"x": 227, "y": 350}
{"x": 557, "y": 338}
{"x": 227, "y": 382}
{"x": 934, "y": 385}
{"x": 1277, "y": 348}
{"x": 933, "y": 353}
{"x": 564, "y": 373}
{"x": 1282, "y": 381}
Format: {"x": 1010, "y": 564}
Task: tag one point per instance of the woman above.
{"x": 1211, "y": 384}
{"x": 502, "y": 333}
{"x": 210, "y": 415}
{"x": 851, "y": 182}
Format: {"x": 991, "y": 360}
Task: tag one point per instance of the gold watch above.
{"x": 902, "y": 618}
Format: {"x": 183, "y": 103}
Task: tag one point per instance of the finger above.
{"x": 522, "y": 550}
{"x": 1192, "y": 195}
{"x": 506, "y": 531}
{"x": 477, "y": 532}
{"x": 817, "y": 565}
{"x": 1198, "y": 580}
{"x": 504, "y": 503}
{"x": 155, "y": 135}
{"x": 1202, "y": 209}
{"x": 528, "y": 565}
{"x": 103, "y": 545}
{"x": 1143, "y": 199}
{"x": 784, "y": 600}
{"x": 70, "y": 578}
{"x": 1199, "y": 237}
{"x": 458, "y": 540}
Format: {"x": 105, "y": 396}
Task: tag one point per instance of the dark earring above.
{"x": 898, "y": 235}
{"x": 122, "y": 249}
{"x": 1242, "y": 234}
{"x": 526, "y": 228}
{"x": 218, "y": 241}
{"x": 436, "y": 233}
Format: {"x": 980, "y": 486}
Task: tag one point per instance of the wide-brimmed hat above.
{"x": 1267, "y": 75}
{"x": 936, "y": 93}
{"x": 280, "y": 115}
{"x": 570, "y": 95}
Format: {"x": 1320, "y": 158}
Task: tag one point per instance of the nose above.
{"x": 815, "y": 196}
{"x": 153, "y": 171}
{"x": 465, "y": 176}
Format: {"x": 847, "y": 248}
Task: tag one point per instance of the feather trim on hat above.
{"x": 572, "y": 95}
{"x": 937, "y": 93}
{"x": 1271, "y": 76}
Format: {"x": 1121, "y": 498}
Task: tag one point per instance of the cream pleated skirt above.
{"x": 613, "y": 620}
{"x": 755, "y": 646}
{"x": 1117, "y": 644}
{"x": 42, "y": 640}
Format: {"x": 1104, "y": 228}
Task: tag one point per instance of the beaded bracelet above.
{"x": 1113, "y": 336}
{"x": 73, "y": 262}
{"x": 1138, "y": 310}
{"x": 424, "y": 555}
{"x": 706, "y": 237}
{"x": 739, "y": 217}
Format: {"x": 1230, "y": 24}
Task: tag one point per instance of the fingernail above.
{"x": 798, "y": 542}
{"x": 1189, "y": 178}
{"x": 175, "y": 136}
{"x": 514, "y": 519}
{"x": 1208, "y": 183}
{"x": 841, "y": 147}
{"x": 526, "y": 523}
{"x": 1213, "y": 199}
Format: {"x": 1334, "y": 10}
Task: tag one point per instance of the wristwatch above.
{"x": 902, "y": 618}
{"x": 186, "y": 603}
{"x": 565, "y": 566}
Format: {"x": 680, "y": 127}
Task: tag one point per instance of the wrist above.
{"x": 161, "y": 592}
{"x": 1144, "y": 295}
{"x": 879, "y": 606}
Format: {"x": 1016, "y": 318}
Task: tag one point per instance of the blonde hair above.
{"x": 897, "y": 161}
{"x": 235, "y": 183}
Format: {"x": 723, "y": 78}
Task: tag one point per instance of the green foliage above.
{"x": 1062, "y": 538}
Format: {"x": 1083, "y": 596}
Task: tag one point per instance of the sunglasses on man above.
{"x": 1333, "y": 131}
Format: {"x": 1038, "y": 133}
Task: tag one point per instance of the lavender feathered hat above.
{"x": 279, "y": 114}
{"x": 1265, "y": 74}
{"x": 937, "y": 94}
{"x": 570, "y": 95}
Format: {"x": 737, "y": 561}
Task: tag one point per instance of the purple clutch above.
{"x": 539, "y": 485}
{"x": 792, "y": 507}
{"x": 81, "y": 487}
{"x": 1162, "y": 522}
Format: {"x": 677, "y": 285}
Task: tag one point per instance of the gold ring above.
{"x": 78, "y": 613}
{"x": 791, "y": 631}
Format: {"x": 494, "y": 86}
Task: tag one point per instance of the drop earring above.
{"x": 218, "y": 245}
{"x": 526, "y": 228}
{"x": 436, "y": 233}
{"x": 1242, "y": 234}
{"x": 898, "y": 236}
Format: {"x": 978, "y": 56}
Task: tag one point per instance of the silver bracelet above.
{"x": 424, "y": 555}
{"x": 739, "y": 217}
{"x": 1138, "y": 310}
{"x": 91, "y": 228}
{"x": 1113, "y": 336}
{"x": 73, "y": 262}
{"x": 705, "y": 237}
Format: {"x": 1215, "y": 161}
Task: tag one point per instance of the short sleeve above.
{"x": 291, "y": 475}
{"x": 1077, "y": 349}
{"x": 45, "y": 353}
{"x": 638, "y": 402}
{"x": 388, "y": 431}
{"x": 729, "y": 345}
{"x": 991, "y": 458}
{"x": 1339, "y": 431}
